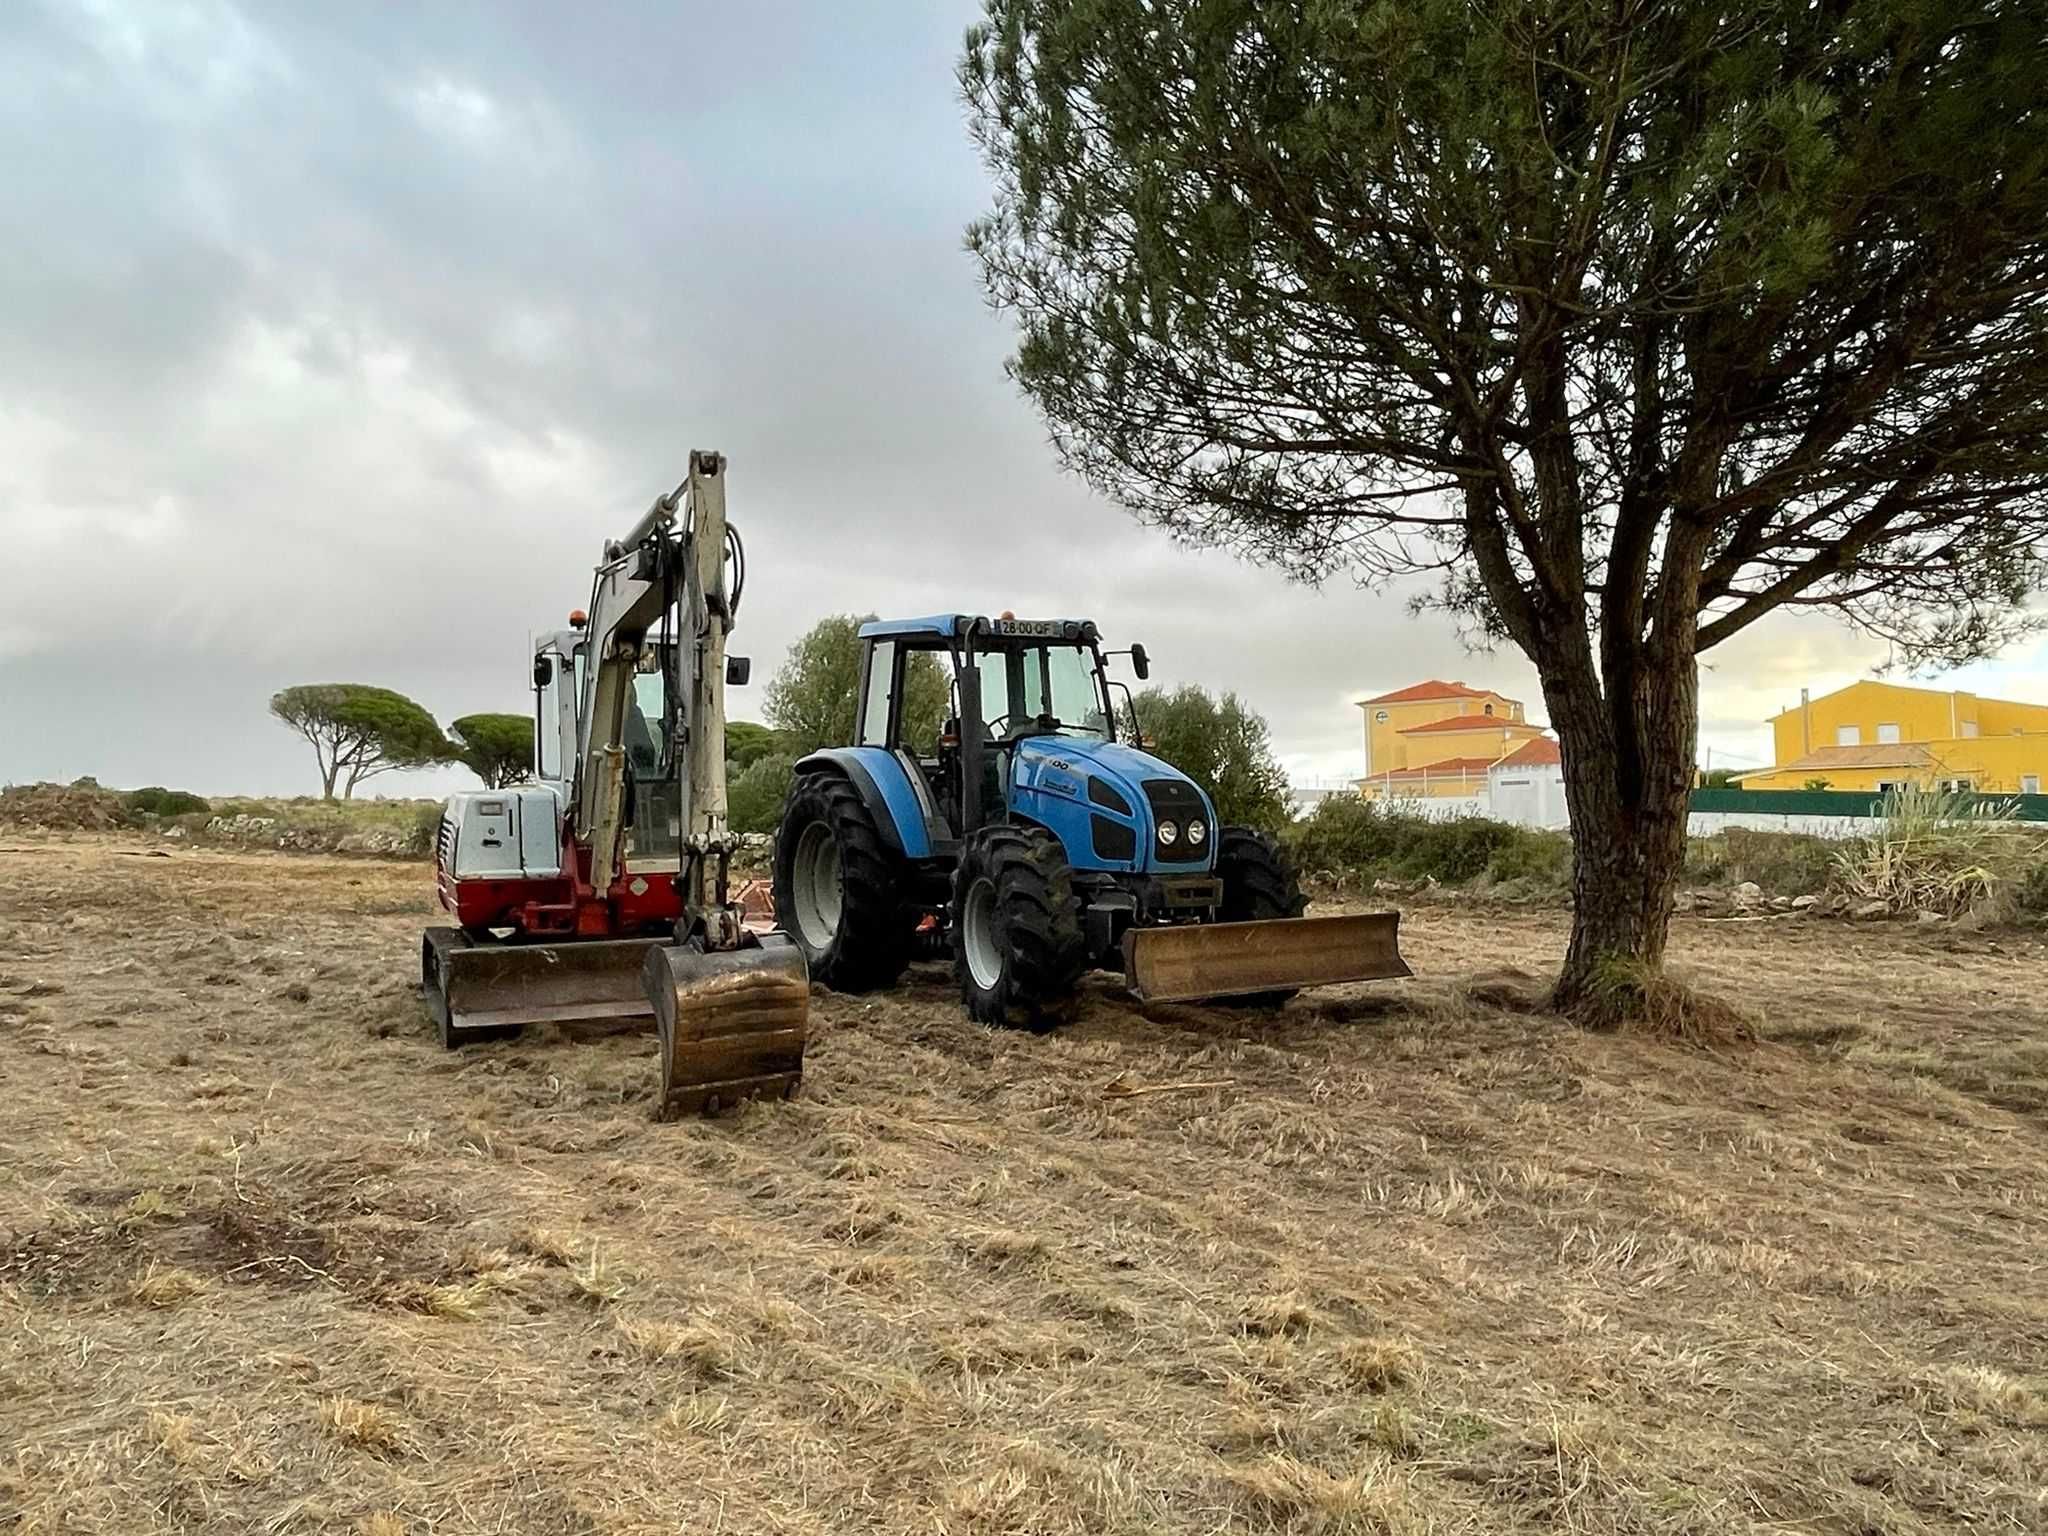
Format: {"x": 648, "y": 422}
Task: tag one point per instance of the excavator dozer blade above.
{"x": 487, "y": 991}
{"x": 1275, "y": 955}
{"x": 732, "y": 1023}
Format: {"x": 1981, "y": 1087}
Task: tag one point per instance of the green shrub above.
{"x": 426, "y": 826}
{"x": 1342, "y": 832}
{"x": 1347, "y": 834}
{"x": 1542, "y": 859}
{"x": 1782, "y": 863}
{"x": 158, "y": 801}
{"x": 754, "y": 800}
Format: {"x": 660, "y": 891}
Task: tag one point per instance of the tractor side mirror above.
{"x": 543, "y": 671}
{"x": 737, "y": 670}
{"x": 1140, "y": 662}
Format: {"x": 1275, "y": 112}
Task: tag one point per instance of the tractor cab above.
{"x": 995, "y": 715}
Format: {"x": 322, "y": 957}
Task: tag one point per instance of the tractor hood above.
{"x": 1114, "y": 822}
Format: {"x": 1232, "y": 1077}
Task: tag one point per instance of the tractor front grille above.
{"x": 1179, "y": 802}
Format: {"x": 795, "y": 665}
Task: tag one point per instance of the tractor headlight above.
{"x": 1169, "y": 834}
{"x": 1197, "y": 834}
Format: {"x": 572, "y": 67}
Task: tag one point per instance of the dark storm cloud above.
{"x": 338, "y": 337}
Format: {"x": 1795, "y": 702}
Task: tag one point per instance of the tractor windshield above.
{"x": 1023, "y": 685}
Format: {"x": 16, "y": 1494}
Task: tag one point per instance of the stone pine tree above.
{"x": 1633, "y": 321}
{"x": 358, "y": 731}
{"x": 497, "y": 748}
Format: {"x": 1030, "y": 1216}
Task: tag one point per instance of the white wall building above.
{"x": 1527, "y": 786}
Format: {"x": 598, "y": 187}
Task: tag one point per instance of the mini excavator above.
{"x": 598, "y": 896}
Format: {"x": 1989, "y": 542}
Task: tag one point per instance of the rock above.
{"x": 299, "y": 992}
{"x": 1684, "y": 902}
{"x": 1749, "y": 894}
{"x": 1928, "y": 919}
{"x": 1805, "y": 903}
{"x": 1781, "y": 904}
{"x": 1870, "y": 911}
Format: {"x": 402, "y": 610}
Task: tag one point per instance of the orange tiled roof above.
{"x": 1432, "y": 689}
{"x": 1450, "y": 765}
{"x": 1467, "y": 723}
{"x": 1542, "y": 752}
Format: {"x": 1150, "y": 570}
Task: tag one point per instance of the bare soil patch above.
{"x": 1405, "y": 1258}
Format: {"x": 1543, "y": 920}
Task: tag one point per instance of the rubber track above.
{"x": 1037, "y": 917}
{"x": 872, "y": 945}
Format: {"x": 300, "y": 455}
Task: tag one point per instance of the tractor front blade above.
{"x": 1283, "y": 954}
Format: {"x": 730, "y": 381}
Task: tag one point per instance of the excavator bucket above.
{"x": 732, "y": 1022}
{"x": 487, "y": 991}
{"x": 1281, "y": 954}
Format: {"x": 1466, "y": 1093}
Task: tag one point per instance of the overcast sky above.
{"x": 334, "y": 339}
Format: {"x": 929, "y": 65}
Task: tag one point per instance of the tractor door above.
{"x": 899, "y": 714}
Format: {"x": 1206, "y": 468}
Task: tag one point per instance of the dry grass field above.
{"x": 1410, "y": 1259}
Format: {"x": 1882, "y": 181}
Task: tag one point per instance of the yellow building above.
{"x": 1879, "y": 736}
{"x": 1438, "y": 739}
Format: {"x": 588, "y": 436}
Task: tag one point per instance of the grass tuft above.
{"x": 1379, "y": 1364}
{"x": 164, "y": 1285}
{"x": 1627, "y": 994}
{"x": 365, "y": 1426}
{"x": 1304, "y": 1497}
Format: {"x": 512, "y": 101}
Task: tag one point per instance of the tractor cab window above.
{"x": 1060, "y": 681}
{"x": 996, "y": 704}
{"x": 881, "y": 685}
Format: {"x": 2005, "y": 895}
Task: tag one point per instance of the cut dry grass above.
{"x": 1629, "y": 995}
{"x": 1301, "y": 1497}
{"x": 366, "y": 1426}
{"x": 1379, "y": 1364}
{"x": 164, "y": 1285}
{"x": 1421, "y": 1258}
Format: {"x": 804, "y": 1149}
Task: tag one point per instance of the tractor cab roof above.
{"x": 947, "y": 626}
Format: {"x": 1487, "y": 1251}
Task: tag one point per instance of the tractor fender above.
{"x": 884, "y": 785}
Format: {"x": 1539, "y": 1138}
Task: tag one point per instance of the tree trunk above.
{"x": 329, "y": 768}
{"x": 1628, "y": 768}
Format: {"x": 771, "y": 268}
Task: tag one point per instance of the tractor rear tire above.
{"x": 1018, "y": 945}
{"x": 1259, "y": 882}
{"x": 838, "y": 888}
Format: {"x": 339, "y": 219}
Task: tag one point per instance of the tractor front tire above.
{"x": 1259, "y": 882}
{"x": 1018, "y": 946}
{"x": 838, "y": 888}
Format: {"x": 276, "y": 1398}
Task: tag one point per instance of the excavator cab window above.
{"x": 657, "y": 803}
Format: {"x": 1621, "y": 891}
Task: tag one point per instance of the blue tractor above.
{"x": 1039, "y": 842}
